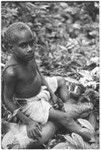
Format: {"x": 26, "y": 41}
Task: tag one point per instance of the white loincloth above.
{"x": 37, "y": 108}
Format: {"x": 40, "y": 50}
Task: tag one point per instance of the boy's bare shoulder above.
{"x": 10, "y": 74}
{"x": 10, "y": 71}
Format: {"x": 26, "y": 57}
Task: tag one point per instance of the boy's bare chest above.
{"x": 29, "y": 82}
{"x": 27, "y": 73}
{"x": 28, "y": 79}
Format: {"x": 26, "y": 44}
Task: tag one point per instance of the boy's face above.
{"x": 23, "y": 48}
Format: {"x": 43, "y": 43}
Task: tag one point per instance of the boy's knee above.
{"x": 66, "y": 117}
{"x": 61, "y": 81}
{"x": 48, "y": 132}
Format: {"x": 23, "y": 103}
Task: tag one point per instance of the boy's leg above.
{"x": 62, "y": 89}
{"x": 76, "y": 110}
{"x": 68, "y": 122}
{"x": 48, "y": 131}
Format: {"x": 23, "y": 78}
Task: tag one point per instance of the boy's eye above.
{"x": 23, "y": 45}
{"x": 31, "y": 43}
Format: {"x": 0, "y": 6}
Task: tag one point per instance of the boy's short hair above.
{"x": 10, "y": 34}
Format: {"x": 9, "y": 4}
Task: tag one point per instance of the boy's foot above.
{"x": 75, "y": 110}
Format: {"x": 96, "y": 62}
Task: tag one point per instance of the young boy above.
{"x": 26, "y": 91}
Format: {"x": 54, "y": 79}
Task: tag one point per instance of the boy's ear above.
{"x": 35, "y": 37}
{"x": 11, "y": 47}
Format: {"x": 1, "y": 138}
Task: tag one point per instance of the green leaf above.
{"x": 71, "y": 141}
{"x": 80, "y": 142}
{"x": 87, "y": 125}
{"x": 44, "y": 6}
{"x": 92, "y": 120}
{"x": 62, "y": 47}
{"x": 64, "y": 5}
{"x": 76, "y": 141}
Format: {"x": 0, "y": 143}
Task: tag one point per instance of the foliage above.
{"x": 65, "y": 32}
{"x": 66, "y": 44}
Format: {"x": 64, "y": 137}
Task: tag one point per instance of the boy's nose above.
{"x": 29, "y": 49}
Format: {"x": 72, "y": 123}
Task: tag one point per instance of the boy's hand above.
{"x": 54, "y": 98}
{"x": 33, "y": 130}
{"x": 57, "y": 102}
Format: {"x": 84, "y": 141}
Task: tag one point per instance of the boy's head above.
{"x": 14, "y": 30}
{"x": 20, "y": 37}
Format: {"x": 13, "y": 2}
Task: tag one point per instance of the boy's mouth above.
{"x": 30, "y": 56}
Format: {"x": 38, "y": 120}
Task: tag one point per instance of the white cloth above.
{"x": 37, "y": 108}
{"x": 52, "y": 82}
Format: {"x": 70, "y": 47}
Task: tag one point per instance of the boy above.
{"x": 27, "y": 93}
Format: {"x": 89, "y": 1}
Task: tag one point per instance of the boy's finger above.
{"x": 39, "y": 127}
{"x": 38, "y": 133}
{"x": 30, "y": 134}
{"x": 33, "y": 134}
{"x": 56, "y": 106}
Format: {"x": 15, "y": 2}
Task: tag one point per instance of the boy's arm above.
{"x": 10, "y": 83}
{"x": 33, "y": 128}
{"x": 44, "y": 82}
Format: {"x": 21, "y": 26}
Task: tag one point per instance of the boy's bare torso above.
{"x": 27, "y": 78}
